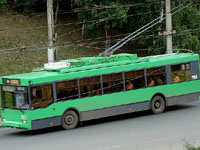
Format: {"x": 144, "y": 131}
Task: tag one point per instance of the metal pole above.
{"x": 50, "y": 19}
{"x": 169, "y": 26}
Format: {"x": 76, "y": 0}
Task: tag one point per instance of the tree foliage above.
{"x": 126, "y": 16}
{"x": 3, "y": 4}
{"x": 104, "y": 17}
{"x": 142, "y": 13}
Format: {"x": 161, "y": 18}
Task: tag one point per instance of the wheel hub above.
{"x": 69, "y": 119}
{"x": 157, "y": 104}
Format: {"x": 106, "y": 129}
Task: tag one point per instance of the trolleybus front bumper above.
{"x": 15, "y": 124}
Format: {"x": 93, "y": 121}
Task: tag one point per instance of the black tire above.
{"x": 69, "y": 120}
{"x": 157, "y": 105}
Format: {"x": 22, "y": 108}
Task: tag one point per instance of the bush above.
{"x": 191, "y": 147}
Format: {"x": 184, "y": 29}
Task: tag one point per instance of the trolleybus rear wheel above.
{"x": 158, "y": 105}
{"x": 69, "y": 120}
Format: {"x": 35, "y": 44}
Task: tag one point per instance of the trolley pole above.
{"x": 51, "y": 34}
{"x": 169, "y": 31}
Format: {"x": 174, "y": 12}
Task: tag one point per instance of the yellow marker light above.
{"x": 195, "y": 98}
{"x": 51, "y": 123}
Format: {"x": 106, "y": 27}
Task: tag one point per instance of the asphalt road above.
{"x": 137, "y": 131}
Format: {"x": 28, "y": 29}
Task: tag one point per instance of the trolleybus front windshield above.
{"x": 15, "y": 97}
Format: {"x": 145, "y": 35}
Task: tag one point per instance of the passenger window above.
{"x": 180, "y": 73}
{"x": 67, "y": 90}
{"x": 41, "y": 96}
{"x": 84, "y": 87}
{"x": 156, "y": 76}
{"x": 112, "y": 83}
{"x": 95, "y": 86}
{"x": 90, "y": 86}
{"x": 134, "y": 80}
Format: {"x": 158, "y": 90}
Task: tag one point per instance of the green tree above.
{"x": 104, "y": 18}
{"x": 3, "y": 4}
{"x": 139, "y": 14}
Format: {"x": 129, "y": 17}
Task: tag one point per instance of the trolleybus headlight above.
{"x": 25, "y": 122}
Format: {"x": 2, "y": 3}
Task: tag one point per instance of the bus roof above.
{"x": 91, "y": 66}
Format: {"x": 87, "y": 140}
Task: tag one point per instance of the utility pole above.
{"x": 51, "y": 34}
{"x": 169, "y": 31}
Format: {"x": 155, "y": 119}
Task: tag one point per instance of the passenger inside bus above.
{"x": 41, "y": 96}
{"x": 34, "y": 94}
{"x": 74, "y": 93}
{"x": 151, "y": 82}
{"x": 129, "y": 85}
{"x": 159, "y": 81}
{"x": 176, "y": 78}
{"x": 97, "y": 92}
{"x": 84, "y": 92}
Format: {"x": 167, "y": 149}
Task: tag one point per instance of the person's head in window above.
{"x": 97, "y": 92}
{"x": 34, "y": 94}
{"x": 34, "y": 91}
{"x": 176, "y": 78}
{"x": 151, "y": 82}
{"x": 159, "y": 81}
{"x": 129, "y": 85}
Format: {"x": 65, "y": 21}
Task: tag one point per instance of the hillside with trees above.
{"x": 86, "y": 28}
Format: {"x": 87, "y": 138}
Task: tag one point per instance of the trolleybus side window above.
{"x": 112, "y": 83}
{"x": 180, "y": 73}
{"x": 134, "y": 80}
{"x": 156, "y": 76}
{"x": 90, "y": 86}
{"x": 67, "y": 90}
{"x": 41, "y": 96}
{"x": 95, "y": 86}
{"x": 85, "y": 87}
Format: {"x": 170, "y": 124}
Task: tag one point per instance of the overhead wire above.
{"x": 45, "y": 47}
{"x": 86, "y": 9}
{"x": 96, "y": 22}
{"x": 156, "y": 21}
{"x": 139, "y": 36}
{"x": 81, "y": 22}
{"x": 103, "y": 20}
{"x": 98, "y": 42}
{"x": 17, "y": 48}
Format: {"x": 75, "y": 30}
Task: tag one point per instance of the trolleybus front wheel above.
{"x": 69, "y": 120}
{"x": 158, "y": 105}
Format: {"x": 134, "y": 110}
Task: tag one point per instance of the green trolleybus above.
{"x": 71, "y": 91}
